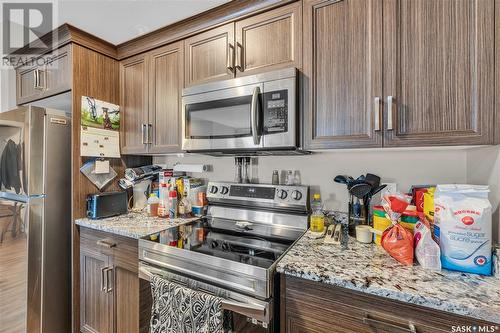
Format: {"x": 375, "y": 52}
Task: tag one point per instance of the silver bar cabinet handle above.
{"x": 143, "y": 131}
{"x": 255, "y": 115}
{"x": 390, "y": 112}
{"x": 377, "y": 113}
{"x": 230, "y": 57}
{"x": 106, "y": 243}
{"x": 150, "y": 133}
{"x": 102, "y": 278}
{"x": 239, "y": 57}
{"x": 109, "y": 284}
{"x": 389, "y": 326}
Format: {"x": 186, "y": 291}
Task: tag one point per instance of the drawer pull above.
{"x": 109, "y": 286}
{"x": 103, "y": 279}
{"x": 389, "y": 326}
{"x": 106, "y": 243}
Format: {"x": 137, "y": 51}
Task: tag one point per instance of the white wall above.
{"x": 405, "y": 167}
{"x": 483, "y": 167}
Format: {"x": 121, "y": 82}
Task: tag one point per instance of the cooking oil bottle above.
{"x": 317, "y": 216}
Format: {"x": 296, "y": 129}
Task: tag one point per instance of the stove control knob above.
{"x": 282, "y": 194}
{"x": 225, "y": 247}
{"x": 224, "y": 190}
{"x": 213, "y": 189}
{"x": 296, "y": 195}
{"x": 214, "y": 245}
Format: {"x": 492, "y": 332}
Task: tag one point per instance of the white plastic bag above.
{"x": 427, "y": 251}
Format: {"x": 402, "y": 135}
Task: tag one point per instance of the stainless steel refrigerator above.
{"x": 35, "y": 221}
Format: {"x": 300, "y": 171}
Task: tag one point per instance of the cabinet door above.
{"x": 26, "y": 90}
{"x": 58, "y": 71}
{"x": 96, "y": 304}
{"x": 210, "y": 55}
{"x": 134, "y": 104}
{"x": 269, "y": 41}
{"x": 166, "y": 80}
{"x": 342, "y": 83}
{"x": 439, "y": 68}
{"x": 126, "y": 293}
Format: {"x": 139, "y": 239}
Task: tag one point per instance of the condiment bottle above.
{"x": 317, "y": 216}
{"x": 172, "y": 204}
{"x": 153, "y": 202}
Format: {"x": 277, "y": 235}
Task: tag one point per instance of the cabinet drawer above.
{"x": 123, "y": 250}
{"x": 343, "y": 310}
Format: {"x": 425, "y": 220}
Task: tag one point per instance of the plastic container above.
{"x": 153, "y": 203}
{"x": 380, "y": 223}
{"x": 317, "y": 216}
{"x": 364, "y": 234}
{"x": 163, "y": 205}
{"x": 172, "y": 204}
{"x": 408, "y": 220}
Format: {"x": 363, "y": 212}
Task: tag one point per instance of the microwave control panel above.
{"x": 275, "y": 106}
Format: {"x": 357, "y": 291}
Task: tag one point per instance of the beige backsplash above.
{"x": 318, "y": 170}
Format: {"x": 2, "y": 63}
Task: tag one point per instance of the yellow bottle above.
{"x": 317, "y": 216}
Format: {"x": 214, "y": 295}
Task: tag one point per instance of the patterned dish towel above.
{"x": 177, "y": 309}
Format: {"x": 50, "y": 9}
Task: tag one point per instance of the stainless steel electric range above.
{"x": 233, "y": 251}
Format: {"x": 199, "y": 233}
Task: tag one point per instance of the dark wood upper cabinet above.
{"x": 439, "y": 69}
{"x": 269, "y": 41}
{"x": 51, "y": 75}
{"x": 342, "y": 82}
{"x": 210, "y": 55}
{"x": 58, "y": 71}
{"x": 166, "y": 80}
{"x": 134, "y": 104}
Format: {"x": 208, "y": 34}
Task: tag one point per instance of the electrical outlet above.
{"x": 391, "y": 187}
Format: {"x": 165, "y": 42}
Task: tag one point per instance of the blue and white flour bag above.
{"x": 463, "y": 227}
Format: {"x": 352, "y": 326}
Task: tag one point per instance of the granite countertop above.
{"x": 369, "y": 269}
{"x": 133, "y": 225}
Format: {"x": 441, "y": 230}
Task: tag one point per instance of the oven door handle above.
{"x": 255, "y": 115}
{"x": 252, "y": 310}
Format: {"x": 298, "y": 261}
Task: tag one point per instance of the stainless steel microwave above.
{"x": 248, "y": 114}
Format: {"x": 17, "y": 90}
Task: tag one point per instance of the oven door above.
{"x": 249, "y": 315}
{"x": 228, "y": 119}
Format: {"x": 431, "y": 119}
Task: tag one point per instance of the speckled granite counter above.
{"x": 369, "y": 269}
{"x": 133, "y": 225}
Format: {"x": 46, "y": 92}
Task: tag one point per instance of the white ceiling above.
{"x": 118, "y": 21}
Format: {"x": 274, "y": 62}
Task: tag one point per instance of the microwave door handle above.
{"x": 255, "y": 109}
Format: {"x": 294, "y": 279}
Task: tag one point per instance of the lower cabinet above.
{"x": 308, "y": 306}
{"x": 109, "y": 283}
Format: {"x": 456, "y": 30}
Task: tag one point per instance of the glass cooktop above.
{"x": 240, "y": 246}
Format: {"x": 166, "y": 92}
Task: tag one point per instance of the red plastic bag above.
{"x": 398, "y": 242}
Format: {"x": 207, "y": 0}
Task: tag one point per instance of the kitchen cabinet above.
{"x": 150, "y": 90}
{"x": 134, "y": 104}
{"x": 50, "y": 75}
{"x": 109, "y": 283}
{"x": 398, "y": 73}
{"x": 166, "y": 80}
{"x": 96, "y": 303}
{"x": 439, "y": 70}
{"x": 264, "y": 42}
{"x": 210, "y": 55}
{"x": 342, "y": 85}
{"x": 269, "y": 41}
{"x": 308, "y": 306}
